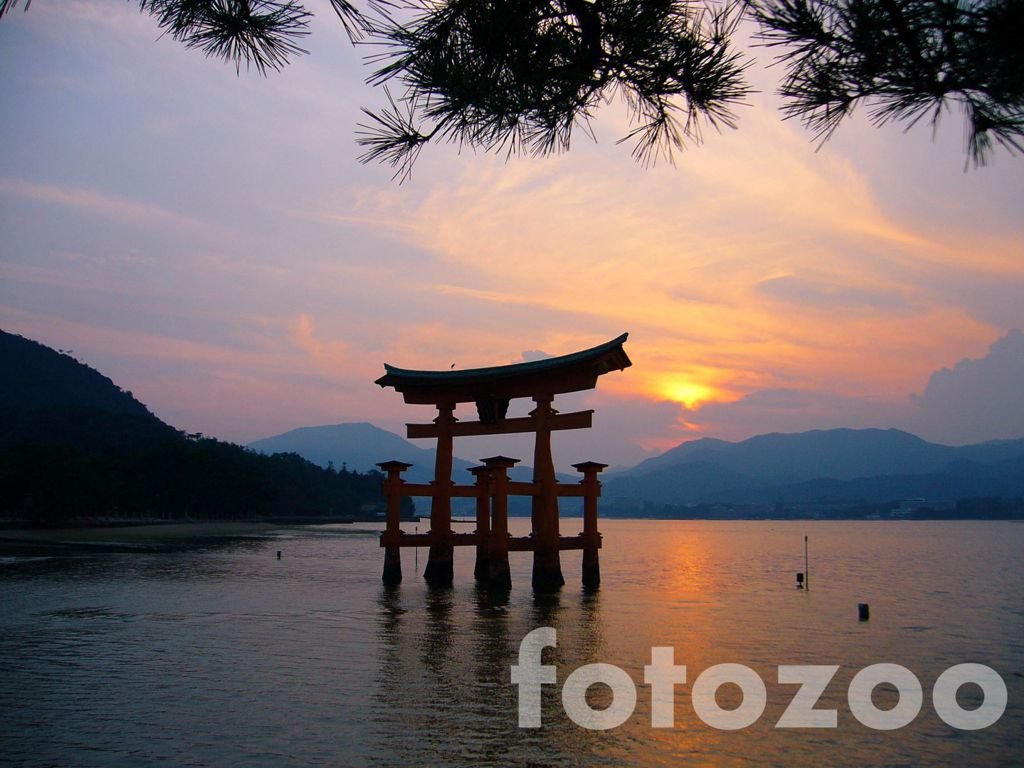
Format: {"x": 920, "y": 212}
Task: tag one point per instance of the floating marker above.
{"x": 807, "y": 570}
{"x": 863, "y": 611}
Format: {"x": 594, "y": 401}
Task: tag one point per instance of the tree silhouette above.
{"x": 520, "y": 76}
{"x": 74, "y": 445}
{"x": 517, "y": 76}
{"x": 909, "y": 60}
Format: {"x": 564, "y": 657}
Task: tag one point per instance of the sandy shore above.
{"x": 126, "y": 536}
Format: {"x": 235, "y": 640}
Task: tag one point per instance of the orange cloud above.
{"x": 328, "y": 354}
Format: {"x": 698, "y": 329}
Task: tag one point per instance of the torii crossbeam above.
{"x": 491, "y": 389}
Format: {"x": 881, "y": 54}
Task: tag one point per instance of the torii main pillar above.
{"x": 440, "y": 570}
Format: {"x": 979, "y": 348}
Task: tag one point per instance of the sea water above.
{"x": 228, "y": 656}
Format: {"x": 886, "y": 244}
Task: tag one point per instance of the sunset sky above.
{"x": 210, "y": 242}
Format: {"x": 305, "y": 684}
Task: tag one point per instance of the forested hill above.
{"x": 48, "y": 398}
{"x": 75, "y": 446}
{"x": 35, "y": 376}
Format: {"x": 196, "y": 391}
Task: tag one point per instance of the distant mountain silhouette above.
{"x": 958, "y": 480}
{"x": 838, "y": 453}
{"x": 838, "y": 465}
{"x": 361, "y": 445}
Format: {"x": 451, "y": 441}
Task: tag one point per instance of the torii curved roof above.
{"x": 553, "y": 375}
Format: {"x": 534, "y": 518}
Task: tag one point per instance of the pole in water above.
{"x": 807, "y": 572}
{"x": 417, "y": 530}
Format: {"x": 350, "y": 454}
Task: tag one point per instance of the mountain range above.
{"x": 825, "y": 466}
{"x": 836, "y": 466}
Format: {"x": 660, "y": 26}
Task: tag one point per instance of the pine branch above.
{"x": 391, "y": 137}
{"x": 10, "y": 5}
{"x": 258, "y": 33}
{"x": 521, "y": 76}
{"x": 908, "y": 61}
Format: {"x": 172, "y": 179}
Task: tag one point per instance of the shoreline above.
{"x": 124, "y": 538}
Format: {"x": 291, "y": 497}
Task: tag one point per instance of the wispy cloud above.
{"x": 829, "y": 295}
{"x": 101, "y": 204}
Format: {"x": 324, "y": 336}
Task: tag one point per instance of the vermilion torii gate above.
{"x": 491, "y": 389}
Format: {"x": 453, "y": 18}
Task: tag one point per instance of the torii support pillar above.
{"x": 499, "y": 577}
{"x": 392, "y": 532}
{"x": 440, "y": 571}
{"x": 547, "y": 563}
{"x": 591, "y": 537}
{"x": 482, "y": 568}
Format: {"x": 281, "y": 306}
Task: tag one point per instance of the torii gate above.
{"x": 491, "y": 389}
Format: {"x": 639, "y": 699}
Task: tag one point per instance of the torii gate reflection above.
{"x": 491, "y": 389}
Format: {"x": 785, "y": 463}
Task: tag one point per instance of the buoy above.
{"x": 799, "y": 580}
{"x": 863, "y": 611}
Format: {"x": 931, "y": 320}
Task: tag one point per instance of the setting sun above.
{"x": 689, "y": 393}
